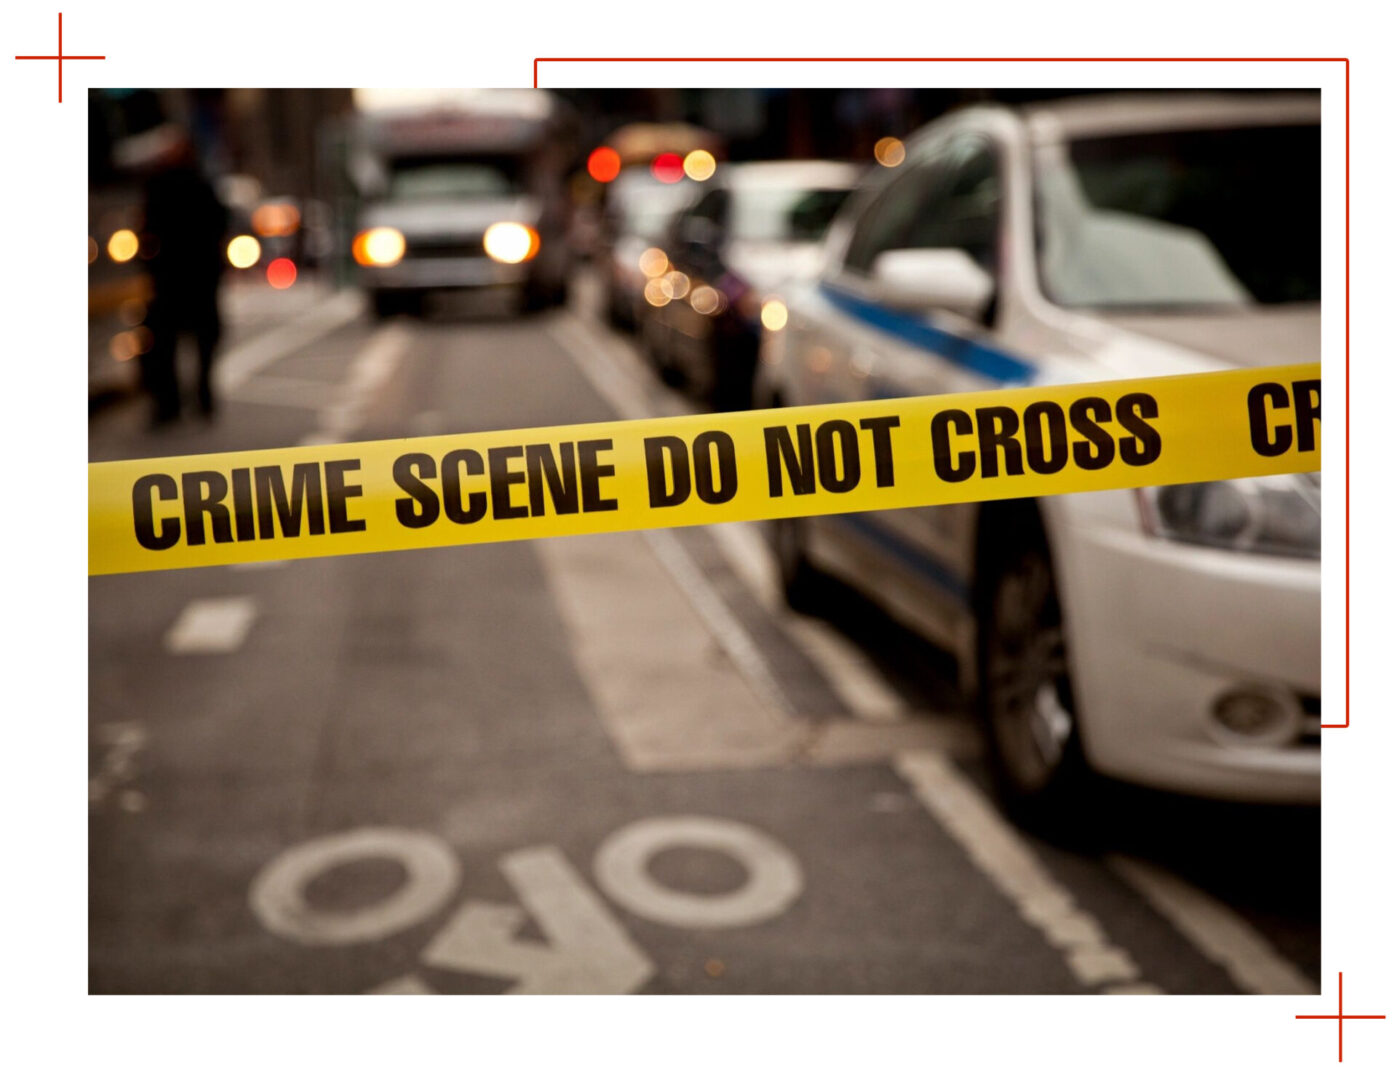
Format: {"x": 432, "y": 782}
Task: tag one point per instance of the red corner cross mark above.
{"x": 60, "y": 58}
{"x": 1341, "y": 1017}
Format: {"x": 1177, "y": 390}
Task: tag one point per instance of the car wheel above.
{"x": 386, "y": 304}
{"x": 800, "y": 581}
{"x": 1026, "y": 701}
{"x": 652, "y": 344}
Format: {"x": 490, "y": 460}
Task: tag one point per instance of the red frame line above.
{"x": 60, "y": 58}
{"x": 1341, "y": 1017}
{"x": 1076, "y": 59}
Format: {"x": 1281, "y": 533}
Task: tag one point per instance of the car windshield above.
{"x": 1181, "y": 219}
{"x": 415, "y": 181}
{"x": 784, "y": 214}
{"x": 642, "y": 207}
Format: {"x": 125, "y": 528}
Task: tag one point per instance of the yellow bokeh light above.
{"x": 244, "y": 251}
{"x": 675, "y": 285}
{"x": 91, "y": 251}
{"x": 655, "y": 294}
{"x": 889, "y": 151}
{"x": 125, "y": 346}
{"x": 706, "y": 300}
{"x": 380, "y": 246}
{"x": 653, "y": 262}
{"x": 510, "y": 242}
{"x": 774, "y": 315}
{"x": 123, "y": 245}
{"x": 699, "y": 165}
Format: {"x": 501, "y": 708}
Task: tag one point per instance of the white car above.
{"x": 1168, "y": 637}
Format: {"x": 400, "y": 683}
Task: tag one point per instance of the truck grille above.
{"x": 446, "y": 247}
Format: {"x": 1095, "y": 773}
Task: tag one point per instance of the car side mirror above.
{"x": 698, "y": 234}
{"x": 921, "y": 278}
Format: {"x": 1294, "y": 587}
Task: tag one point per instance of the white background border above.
{"x": 44, "y": 432}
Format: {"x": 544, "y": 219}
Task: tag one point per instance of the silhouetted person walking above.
{"x": 185, "y": 224}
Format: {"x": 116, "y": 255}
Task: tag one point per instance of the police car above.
{"x": 1167, "y": 637}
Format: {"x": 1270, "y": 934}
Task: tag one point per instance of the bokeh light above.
{"x": 276, "y": 219}
{"x": 123, "y": 245}
{"x": 699, "y": 165}
{"x": 244, "y": 251}
{"x": 281, "y": 273}
{"x": 510, "y": 242}
{"x": 655, "y": 294}
{"x": 125, "y": 346}
{"x": 774, "y": 315}
{"x": 889, "y": 151}
{"x": 92, "y": 250}
{"x": 706, "y": 300}
{"x": 603, "y": 164}
{"x": 653, "y": 262}
{"x": 381, "y": 246}
{"x": 675, "y": 285}
{"x": 667, "y": 168}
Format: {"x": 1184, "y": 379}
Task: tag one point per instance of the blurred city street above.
{"x": 591, "y": 764}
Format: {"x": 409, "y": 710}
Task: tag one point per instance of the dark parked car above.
{"x": 750, "y": 229}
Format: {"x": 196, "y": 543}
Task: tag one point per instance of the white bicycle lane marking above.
{"x": 587, "y": 949}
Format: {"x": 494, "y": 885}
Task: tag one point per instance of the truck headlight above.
{"x": 510, "y": 242}
{"x": 380, "y": 246}
{"x": 1272, "y": 515}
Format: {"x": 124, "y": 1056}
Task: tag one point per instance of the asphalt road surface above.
{"x": 595, "y": 764}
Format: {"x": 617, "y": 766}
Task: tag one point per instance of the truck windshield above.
{"x": 1181, "y": 219}
{"x": 413, "y": 181}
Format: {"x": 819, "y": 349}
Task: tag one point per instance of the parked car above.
{"x": 751, "y": 228}
{"x": 636, "y": 214}
{"x": 1168, "y": 637}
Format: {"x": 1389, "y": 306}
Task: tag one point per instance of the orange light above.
{"x": 276, "y": 219}
{"x": 510, "y": 242}
{"x": 889, "y": 151}
{"x": 91, "y": 251}
{"x": 655, "y": 294}
{"x": 381, "y": 246}
{"x": 281, "y": 273}
{"x": 123, "y": 245}
{"x": 125, "y": 346}
{"x": 653, "y": 262}
{"x": 667, "y": 168}
{"x": 604, "y": 165}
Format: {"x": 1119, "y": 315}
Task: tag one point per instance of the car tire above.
{"x": 386, "y": 304}
{"x": 800, "y": 580}
{"x": 543, "y": 295}
{"x": 652, "y": 345}
{"x": 1025, "y": 699}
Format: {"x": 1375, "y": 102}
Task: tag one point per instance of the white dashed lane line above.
{"x": 1003, "y": 857}
{"x": 1214, "y": 930}
{"x": 245, "y": 360}
{"x": 368, "y": 373}
{"x": 215, "y": 625}
{"x": 611, "y": 370}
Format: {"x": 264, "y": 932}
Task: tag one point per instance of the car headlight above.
{"x": 1272, "y": 515}
{"x": 379, "y": 246}
{"x": 510, "y": 242}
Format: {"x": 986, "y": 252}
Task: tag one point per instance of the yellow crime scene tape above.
{"x": 390, "y": 495}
